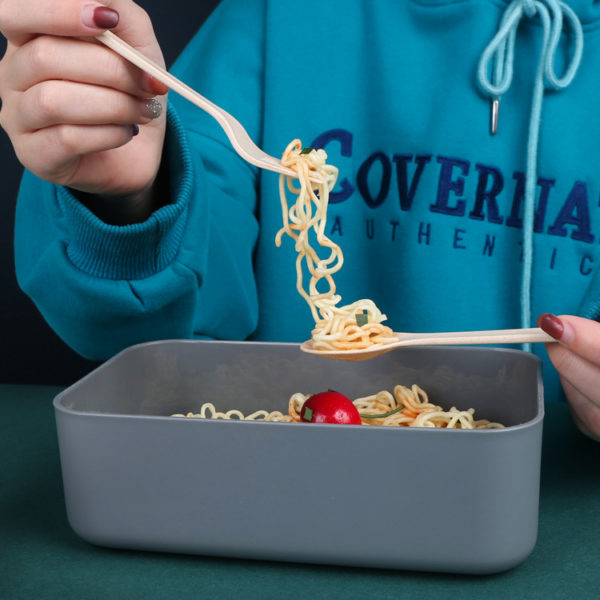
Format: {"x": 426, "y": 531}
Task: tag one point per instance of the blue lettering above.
{"x": 458, "y": 238}
{"x": 553, "y": 259}
{"x": 394, "y": 224}
{"x": 337, "y": 226}
{"x": 490, "y": 242}
{"x": 447, "y": 185}
{"x": 362, "y": 179}
{"x": 405, "y": 192}
{"x": 424, "y": 233}
{"x": 370, "y": 228}
{"x": 487, "y": 194}
{"x": 345, "y": 138}
{"x": 515, "y": 220}
{"x": 576, "y": 212}
{"x": 584, "y": 269}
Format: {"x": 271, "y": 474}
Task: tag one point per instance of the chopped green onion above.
{"x": 362, "y": 319}
{"x": 306, "y": 150}
{"x": 383, "y": 415}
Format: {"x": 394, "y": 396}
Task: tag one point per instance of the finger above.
{"x": 581, "y": 336}
{"x": 582, "y": 374}
{"x": 20, "y": 20}
{"x": 55, "y": 150}
{"x": 64, "y": 102}
{"x": 48, "y": 57}
{"x": 585, "y": 413}
{"x": 72, "y": 155}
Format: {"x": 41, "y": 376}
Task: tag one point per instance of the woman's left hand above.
{"x": 576, "y": 357}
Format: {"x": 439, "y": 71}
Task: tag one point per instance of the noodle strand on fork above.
{"x": 357, "y": 325}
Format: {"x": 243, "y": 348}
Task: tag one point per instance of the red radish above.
{"x": 330, "y": 407}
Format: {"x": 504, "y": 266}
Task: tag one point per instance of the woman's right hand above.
{"x": 69, "y": 104}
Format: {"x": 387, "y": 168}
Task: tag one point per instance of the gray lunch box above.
{"x": 461, "y": 501}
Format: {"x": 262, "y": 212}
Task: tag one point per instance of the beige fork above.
{"x": 238, "y": 136}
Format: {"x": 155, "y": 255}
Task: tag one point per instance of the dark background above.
{"x": 30, "y": 352}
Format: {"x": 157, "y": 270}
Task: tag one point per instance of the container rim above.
{"x": 60, "y": 408}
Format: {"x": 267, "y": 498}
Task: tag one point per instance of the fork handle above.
{"x": 234, "y": 130}
{"x": 108, "y": 38}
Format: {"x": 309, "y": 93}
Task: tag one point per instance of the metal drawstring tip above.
{"x": 494, "y": 116}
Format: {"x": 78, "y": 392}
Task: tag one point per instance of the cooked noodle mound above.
{"x": 410, "y": 407}
{"x": 357, "y": 325}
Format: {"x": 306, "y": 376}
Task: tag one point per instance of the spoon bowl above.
{"x": 447, "y": 338}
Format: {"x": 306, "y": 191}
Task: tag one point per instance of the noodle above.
{"x": 208, "y": 411}
{"x": 357, "y": 325}
{"x": 410, "y": 406}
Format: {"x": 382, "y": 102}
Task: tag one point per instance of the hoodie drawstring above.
{"x": 501, "y": 50}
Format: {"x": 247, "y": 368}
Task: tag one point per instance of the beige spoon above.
{"x": 448, "y": 338}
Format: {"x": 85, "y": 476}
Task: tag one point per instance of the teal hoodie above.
{"x": 429, "y": 207}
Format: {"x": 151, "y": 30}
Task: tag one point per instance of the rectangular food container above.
{"x": 462, "y": 501}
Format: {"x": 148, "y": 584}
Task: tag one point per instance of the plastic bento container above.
{"x": 463, "y": 501}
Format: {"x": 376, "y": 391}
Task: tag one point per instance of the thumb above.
{"x": 21, "y": 20}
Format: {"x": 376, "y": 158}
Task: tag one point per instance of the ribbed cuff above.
{"x": 142, "y": 249}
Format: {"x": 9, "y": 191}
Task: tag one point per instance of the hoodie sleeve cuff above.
{"x": 142, "y": 249}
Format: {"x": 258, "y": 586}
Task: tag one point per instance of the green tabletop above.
{"x": 41, "y": 557}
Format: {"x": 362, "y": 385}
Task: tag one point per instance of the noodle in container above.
{"x": 424, "y": 498}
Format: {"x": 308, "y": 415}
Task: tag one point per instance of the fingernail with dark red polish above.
{"x": 552, "y": 325}
{"x": 106, "y": 18}
{"x": 101, "y": 17}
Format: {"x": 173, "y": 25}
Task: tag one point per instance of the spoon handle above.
{"x": 490, "y": 336}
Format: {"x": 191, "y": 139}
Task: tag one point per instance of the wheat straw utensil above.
{"x": 238, "y": 136}
{"x": 446, "y": 338}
